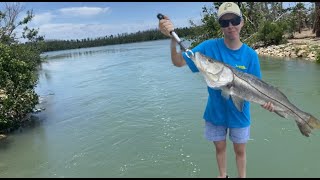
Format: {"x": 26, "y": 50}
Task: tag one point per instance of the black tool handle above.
{"x": 160, "y": 16}
{"x": 175, "y": 36}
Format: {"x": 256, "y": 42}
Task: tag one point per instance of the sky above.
{"x": 79, "y": 20}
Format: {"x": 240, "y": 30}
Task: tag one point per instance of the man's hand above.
{"x": 268, "y": 106}
{"x": 166, "y": 26}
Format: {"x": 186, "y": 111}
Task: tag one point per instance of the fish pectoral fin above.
{"x": 225, "y": 94}
{"x": 282, "y": 114}
{"x": 238, "y": 103}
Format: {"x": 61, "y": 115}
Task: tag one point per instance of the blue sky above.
{"x": 78, "y": 20}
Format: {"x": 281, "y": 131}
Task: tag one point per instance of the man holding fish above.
{"x": 221, "y": 115}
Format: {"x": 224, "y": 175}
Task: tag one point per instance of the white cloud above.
{"x": 82, "y": 31}
{"x": 70, "y": 30}
{"x": 42, "y": 18}
{"x": 84, "y": 11}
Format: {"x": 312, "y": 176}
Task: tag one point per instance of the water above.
{"x": 126, "y": 111}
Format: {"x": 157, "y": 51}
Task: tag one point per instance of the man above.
{"x": 220, "y": 114}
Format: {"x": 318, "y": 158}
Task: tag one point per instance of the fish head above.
{"x": 216, "y": 73}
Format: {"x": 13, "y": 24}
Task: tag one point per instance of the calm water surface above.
{"x": 126, "y": 111}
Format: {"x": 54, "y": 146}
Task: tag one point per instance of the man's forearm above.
{"x": 176, "y": 57}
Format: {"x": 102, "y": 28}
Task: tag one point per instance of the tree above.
{"x": 209, "y": 28}
{"x": 316, "y": 25}
{"x": 9, "y": 23}
{"x": 299, "y": 15}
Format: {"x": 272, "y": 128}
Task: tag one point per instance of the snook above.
{"x": 243, "y": 86}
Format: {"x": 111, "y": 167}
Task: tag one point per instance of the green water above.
{"x": 126, "y": 111}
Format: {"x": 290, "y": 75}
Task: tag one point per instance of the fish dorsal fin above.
{"x": 238, "y": 103}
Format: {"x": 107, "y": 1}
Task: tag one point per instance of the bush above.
{"x": 271, "y": 33}
{"x": 18, "y": 77}
{"x": 318, "y": 56}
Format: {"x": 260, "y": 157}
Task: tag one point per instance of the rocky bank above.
{"x": 303, "y": 45}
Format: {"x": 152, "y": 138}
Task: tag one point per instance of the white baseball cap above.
{"x": 229, "y": 7}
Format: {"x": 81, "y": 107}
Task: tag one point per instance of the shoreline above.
{"x": 303, "y": 45}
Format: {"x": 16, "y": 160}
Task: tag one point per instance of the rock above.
{"x": 286, "y": 53}
{"x": 301, "y": 53}
{"x": 304, "y": 46}
{"x": 287, "y": 49}
{"x": 2, "y": 136}
{"x": 311, "y": 55}
{"x": 36, "y": 110}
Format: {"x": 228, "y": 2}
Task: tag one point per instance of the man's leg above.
{"x": 239, "y": 137}
{"x": 240, "y": 151}
{"x": 221, "y": 157}
{"x": 217, "y": 134}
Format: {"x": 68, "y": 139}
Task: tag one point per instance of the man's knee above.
{"x": 220, "y": 146}
{"x": 239, "y": 149}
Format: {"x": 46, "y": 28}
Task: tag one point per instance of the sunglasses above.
{"x": 225, "y": 23}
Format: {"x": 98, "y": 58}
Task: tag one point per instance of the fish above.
{"x": 241, "y": 87}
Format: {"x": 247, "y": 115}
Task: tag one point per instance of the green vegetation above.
{"x": 271, "y": 33}
{"x": 266, "y": 23}
{"x": 18, "y": 69}
{"x": 318, "y": 56}
{"x": 140, "y": 36}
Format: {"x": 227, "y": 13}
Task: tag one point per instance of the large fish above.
{"x": 242, "y": 86}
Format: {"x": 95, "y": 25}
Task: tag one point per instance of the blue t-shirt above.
{"x": 220, "y": 111}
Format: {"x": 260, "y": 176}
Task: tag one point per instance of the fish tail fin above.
{"x": 311, "y": 123}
